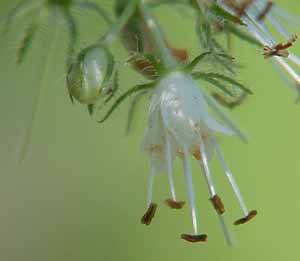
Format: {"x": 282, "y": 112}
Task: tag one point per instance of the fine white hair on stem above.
{"x": 170, "y": 167}
{"x": 230, "y": 178}
{"x": 191, "y": 194}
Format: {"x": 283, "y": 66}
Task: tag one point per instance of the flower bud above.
{"x": 88, "y": 77}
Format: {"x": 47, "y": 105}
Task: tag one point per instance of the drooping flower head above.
{"x": 180, "y": 124}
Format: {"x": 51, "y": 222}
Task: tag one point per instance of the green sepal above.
{"x": 214, "y": 82}
{"x": 151, "y": 59}
{"x": 190, "y": 67}
{"x": 114, "y": 86}
{"x": 201, "y": 75}
{"x": 134, "y": 89}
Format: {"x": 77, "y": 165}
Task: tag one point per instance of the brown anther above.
{"x": 279, "y": 49}
{"x": 194, "y": 238}
{"x": 244, "y": 220}
{"x": 156, "y": 148}
{"x": 218, "y": 204}
{"x": 174, "y": 204}
{"x": 197, "y": 154}
{"x": 149, "y": 215}
{"x": 265, "y": 11}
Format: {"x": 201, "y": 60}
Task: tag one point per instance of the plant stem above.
{"x": 113, "y": 33}
{"x": 159, "y": 42}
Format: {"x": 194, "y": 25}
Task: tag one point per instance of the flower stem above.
{"x": 157, "y": 37}
{"x": 113, "y": 33}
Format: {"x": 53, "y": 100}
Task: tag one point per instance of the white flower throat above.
{"x": 180, "y": 124}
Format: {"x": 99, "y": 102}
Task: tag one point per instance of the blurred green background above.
{"x": 81, "y": 191}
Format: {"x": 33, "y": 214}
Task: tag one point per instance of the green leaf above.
{"x": 125, "y": 95}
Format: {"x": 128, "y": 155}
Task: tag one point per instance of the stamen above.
{"x": 266, "y": 41}
{"x": 189, "y": 182}
{"x": 170, "y": 168}
{"x": 226, "y": 231}
{"x": 279, "y": 49}
{"x": 218, "y": 204}
{"x": 205, "y": 168}
{"x": 247, "y": 218}
{"x": 230, "y": 178}
{"x": 174, "y": 204}
{"x": 194, "y": 238}
{"x": 149, "y": 215}
{"x": 150, "y": 186}
{"x": 151, "y": 207}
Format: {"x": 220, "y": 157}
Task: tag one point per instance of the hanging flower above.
{"x": 180, "y": 125}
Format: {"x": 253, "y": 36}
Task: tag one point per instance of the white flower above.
{"x": 256, "y": 15}
{"x": 180, "y": 124}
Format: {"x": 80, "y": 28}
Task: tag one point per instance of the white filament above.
{"x": 191, "y": 195}
{"x": 170, "y": 168}
{"x": 231, "y": 179}
{"x": 150, "y": 185}
{"x": 206, "y": 172}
